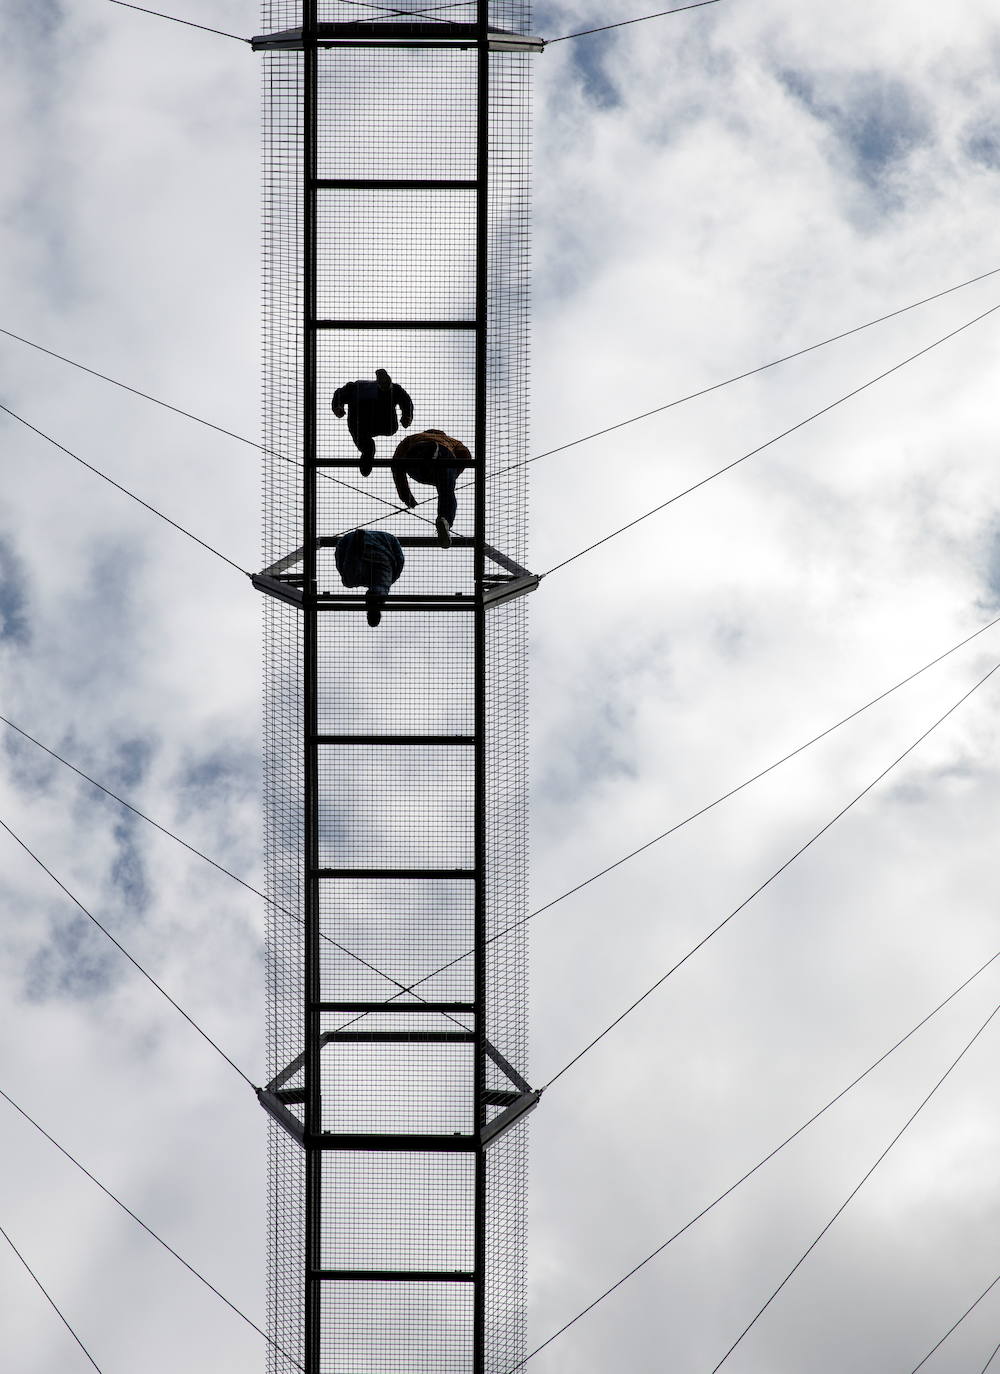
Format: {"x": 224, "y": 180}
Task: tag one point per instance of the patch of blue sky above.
{"x": 593, "y": 752}
{"x": 75, "y": 963}
{"x": 982, "y": 145}
{"x": 228, "y": 773}
{"x": 32, "y": 772}
{"x": 877, "y": 121}
{"x": 588, "y": 62}
{"x": 36, "y": 20}
{"x": 991, "y": 571}
{"x": 128, "y": 869}
{"x": 15, "y": 625}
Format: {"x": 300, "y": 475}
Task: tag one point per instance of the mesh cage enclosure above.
{"x": 408, "y": 787}
{"x": 511, "y": 16}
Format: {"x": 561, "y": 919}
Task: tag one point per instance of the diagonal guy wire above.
{"x": 148, "y": 1229}
{"x": 49, "y": 1299}
{"x": 132, "y": 960}
{"x": 760, "y": 1163}
{"x": 174, "y": 19}
{"x": 582, "y": 33}
{"x": 695, "y": 486}
{"x": 709, "y": 806}
{"x": 199, "y": 854}
{"x": 955, "y": 1327}
{"x": 767, "y": 881}
{"x": 857, "y": 1189}
{"x": 118, "y": 486}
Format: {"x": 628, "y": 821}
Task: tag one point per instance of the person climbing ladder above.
{"x": 371, "y": 409}
{"x": 435, "y": 458}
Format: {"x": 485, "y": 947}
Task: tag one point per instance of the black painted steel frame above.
{"x": 294, "y": 580}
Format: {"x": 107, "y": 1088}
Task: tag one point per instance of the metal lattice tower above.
{"x": 396, "y": 236}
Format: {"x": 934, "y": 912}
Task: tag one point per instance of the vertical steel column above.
{"x": 310, "y": 673}
{"x": 482, "y": 292}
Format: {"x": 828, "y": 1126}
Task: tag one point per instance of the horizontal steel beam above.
{"x": 397, "y": 1037}
{"x": 377, "y": 35}
{"x": 508, "y": 591}
{"x": 388, "y": 184}
{"x": 527, "y": 1102}
{"x": 391, "y": 1008}
{"x": 407, "y": 873}
{"x": 276, "y": 1108}
{"x": 458, "y": 1143}
{"x": 281, "y": 591}
{"x": 394, "y": 739}
{"x": 394, "y": 1275}
{"x": 394, "y": 324}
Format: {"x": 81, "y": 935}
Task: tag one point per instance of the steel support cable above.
{"x": 174, "y": 19}
{"x": 653, "y": 1254}
{"x": 857, "y": 1188}
{"x": 118, "y": 486}
{"x": 699, "y": 4}
{"x": 199, "y": 854}
{"x": 49, "y": 1299}
{"x": 955, "y": 1327}
{"x": 499, "y": 472}
{"x": 582, "y": 33}
{"x": 767, "y": 444}
{"x": 131, "y": 958}
{"x": 406, "y": 14}
{"x": 148, "y": 1229}
{"x": 200, "y": 420}
{"x": 996, "y": 1351}
{"x": 769, "y": 880}
{"x": 679, "y": 825}
{"x": 718, "y": 386}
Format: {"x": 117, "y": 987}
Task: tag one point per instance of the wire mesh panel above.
{"x": 397, "y": 1328}
{"x": 369, "y": 1203}
{"x": 381, "y": 936}
{"x": 395, "y": 238}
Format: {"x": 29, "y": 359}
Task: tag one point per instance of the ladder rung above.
{"x": 389, "y": 184}
{"x": 405, "y": 873}
{"x": 391, "y": 1008}
{"x": 395, "y": 1275}
{"x": 398, "y": 1037}
{"x": 395, "y": 739}
{"x": 430, "y": 1144}
{"x": 394, "y": 324}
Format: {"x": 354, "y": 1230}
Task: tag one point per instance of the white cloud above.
{"x": 711, "y": 191}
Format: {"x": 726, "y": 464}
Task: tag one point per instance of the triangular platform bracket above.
{"x": 281, "y": 580}
{"x": 361, "y": 34}
{"x": 277, "y": 1100}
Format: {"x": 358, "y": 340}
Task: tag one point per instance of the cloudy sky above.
{"x": 711, "y": 191}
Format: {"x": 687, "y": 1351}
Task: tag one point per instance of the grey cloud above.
{"x": 14, "y": 624}
{"x": 587, "y": 61}
{"x": 128, "y": 871}
{"x": 76, "y": 963}
{"x": 37, "y": 20}
{"x": 876, "y": 119}
{"x": 991, "y": 567}
{"x": 982, "y": 145}
{"x": 594, "y": 747}
{"x": 228, "y": 773}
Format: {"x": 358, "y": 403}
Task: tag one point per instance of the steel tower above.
{"x": 396, "y": 236}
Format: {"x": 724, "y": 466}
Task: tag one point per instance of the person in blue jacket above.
{"x": 371, "y": 410}
{"x": 372, "y": 559}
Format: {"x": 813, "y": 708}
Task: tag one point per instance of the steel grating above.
{"x": 395, "y": 760}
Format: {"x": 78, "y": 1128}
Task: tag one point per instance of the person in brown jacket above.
{"x": 437, "y": 459}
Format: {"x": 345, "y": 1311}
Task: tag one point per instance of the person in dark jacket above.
{"x": 372, "y": 559}
{"x": 371, "y": 410}
{"x": 437, "y": 459}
